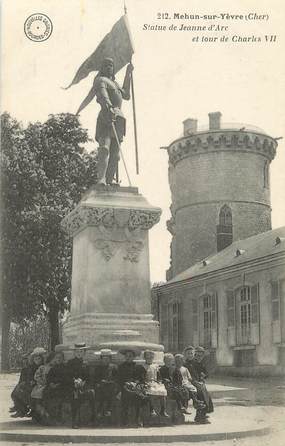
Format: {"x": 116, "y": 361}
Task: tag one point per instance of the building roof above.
{"x": 239, "y": 252}
{"x": 228, "y": 126}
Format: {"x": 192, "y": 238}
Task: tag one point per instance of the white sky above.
{"x": 175, "y": 78}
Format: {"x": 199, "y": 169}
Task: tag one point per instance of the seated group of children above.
{"x": 47, "y": 382}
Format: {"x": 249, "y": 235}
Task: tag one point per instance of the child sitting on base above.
{"x": 21, "y": 395}
{"x": 200, "y": 374}
{"x": 105, "y": 383}
{"x": 166, "y": 372}
{"x": 182, "y": 380}
{"x": 130, "y": 379}
{"x": 79, "y": 382}
{"x": 39, "y": 412}
{"x": 57, "y": 389}
{"x": 154, "y": 386}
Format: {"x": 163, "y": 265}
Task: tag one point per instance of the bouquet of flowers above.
{"x": 136, "y": 390}
{"x": 78, "y": 383}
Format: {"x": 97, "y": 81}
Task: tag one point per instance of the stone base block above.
{"x": 115, "y": 331}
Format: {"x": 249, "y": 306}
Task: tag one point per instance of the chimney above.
{"x": 215, "y": 120}
{"x": 189, "y": 126}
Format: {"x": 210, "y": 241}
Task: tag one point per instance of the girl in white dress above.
{"x": 154, "y": 386}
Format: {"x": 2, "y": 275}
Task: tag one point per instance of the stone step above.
{"x": 226, "y": 423}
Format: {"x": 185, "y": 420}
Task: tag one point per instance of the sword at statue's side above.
{"x": 121, "y": 153}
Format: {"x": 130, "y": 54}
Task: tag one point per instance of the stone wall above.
{"x": 208, "y": 170}
{"x": 196, "y": 229}
{"x": 267, "y": 353}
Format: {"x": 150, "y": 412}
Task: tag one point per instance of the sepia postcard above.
{"x": 177, "y": 239}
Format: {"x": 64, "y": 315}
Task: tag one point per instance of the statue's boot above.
{"x": 103, "y": 157}
{"x": 113, "y": 161}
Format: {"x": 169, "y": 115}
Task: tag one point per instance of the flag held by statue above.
{"x": 117, "y": 44}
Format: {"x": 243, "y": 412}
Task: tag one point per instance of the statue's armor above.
{"x": 109, "y": 94}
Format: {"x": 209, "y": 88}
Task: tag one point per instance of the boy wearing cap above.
{"x": 105, "y": 383}
{"x": 76, "y": 366}
{"x": 78, "y": 380}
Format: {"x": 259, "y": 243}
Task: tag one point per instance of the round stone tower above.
{"x": 219, "y": 181}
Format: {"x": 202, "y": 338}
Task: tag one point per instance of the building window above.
{"x": 208, "y": 320}
{"x": 247, "y": 307}
{"x": 175, "y": 326}
{"x": 207, "y": 323}
{"x": 163, "y": 320}
{"x": 277, "y": 305}
{"x": 275, "y": 299}
{"x": 231, "y": 318}
{"x": 266, "y": 174}
{"x": 194, "y": 322}
{"x": 224, "y": 228}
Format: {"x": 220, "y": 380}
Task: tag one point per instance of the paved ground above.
{"x": 245, "y": 399}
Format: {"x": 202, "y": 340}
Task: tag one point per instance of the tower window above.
{"x": 224, "y": 228}
{"x": 266, "y": 174}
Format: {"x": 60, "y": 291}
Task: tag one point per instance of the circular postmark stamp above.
{"x": 38, "y": 27}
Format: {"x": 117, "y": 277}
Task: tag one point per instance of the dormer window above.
{"x": 279, "y": 240}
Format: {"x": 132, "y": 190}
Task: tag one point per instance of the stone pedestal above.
{"x": 110, "y": 304}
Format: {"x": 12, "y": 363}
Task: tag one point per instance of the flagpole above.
{"x": 134, "y": 111}
{"x": 135, "y": 123}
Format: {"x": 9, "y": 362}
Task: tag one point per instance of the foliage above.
{"x": 45, "y": 170}
{"x": 24, "y": 337}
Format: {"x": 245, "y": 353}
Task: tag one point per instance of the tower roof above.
{"x": 227, "y": 136}
{"x": 253, "y": 248}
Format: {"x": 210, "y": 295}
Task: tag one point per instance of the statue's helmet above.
{"x": 107, "y": 60}
{"x": 107, "y": 67}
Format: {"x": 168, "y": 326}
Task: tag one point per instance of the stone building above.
{"x": 219, "y": 182}
{"x": 225, "y": 288}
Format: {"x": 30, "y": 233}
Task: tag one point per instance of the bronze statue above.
{"x": 109, "y": 95}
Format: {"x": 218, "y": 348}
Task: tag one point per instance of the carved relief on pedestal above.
{"x": 121, "y": 217}
{"x": 83, "y": 216}
{"x": 131, "y": 243}
{"x": 108, "y": 248}
{"x": 110, "y": 218}
{"x": 143, "y": 219}
{"x": 131, "y": 249}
